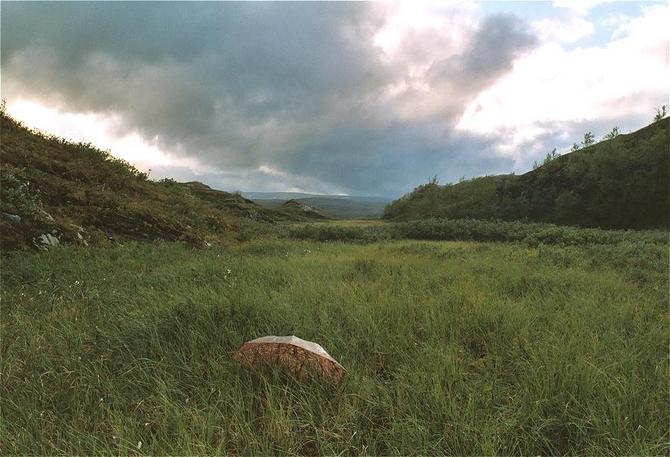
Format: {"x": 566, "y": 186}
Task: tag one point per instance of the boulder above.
{"x": 302, "y": 358}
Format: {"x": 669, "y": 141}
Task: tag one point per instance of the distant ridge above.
{"x": 300, "y": 195}
{"x": 334, "y": 206}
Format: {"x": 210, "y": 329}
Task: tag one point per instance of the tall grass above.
{"x": 450, "y": 347}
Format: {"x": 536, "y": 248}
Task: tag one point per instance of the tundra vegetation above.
{"x": 459, "y": 336}
{"x": 456, "y": 347}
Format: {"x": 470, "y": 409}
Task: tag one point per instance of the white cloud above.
{"x": 553, "y": 87}
{"x": 565, "y": 31}
{"x": 581, "y": 7}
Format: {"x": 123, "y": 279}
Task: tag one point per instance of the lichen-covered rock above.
{"x": 46, "y": 241}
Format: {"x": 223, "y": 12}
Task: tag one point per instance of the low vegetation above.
{"x": 531, "y": 234}
{"x": 450, "y": 347}
{"x": 83, "y": 195}
{"x": 621, "y": 182}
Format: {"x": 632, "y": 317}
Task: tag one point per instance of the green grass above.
{"x": 450, "y": 347}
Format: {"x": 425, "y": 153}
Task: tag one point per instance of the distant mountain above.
{"x": 335, "y": 206}
{"x": 622, "y": 182}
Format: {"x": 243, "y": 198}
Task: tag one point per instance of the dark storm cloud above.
{"x": 490, "y": 52}
{"x": 296, "y": 87}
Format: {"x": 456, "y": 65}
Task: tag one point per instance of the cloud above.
{"x": 489, "y": 53}
{"x": 326, "y": 97}
{"x": 557, "y": 93}
{"x": 564, "y": 30}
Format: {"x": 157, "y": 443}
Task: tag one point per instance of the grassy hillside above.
{"x": 456, "y": 348}
{"x": 80, "y": 194}
{"x": 300, "y": 210}
{"x": 623, "y": 182}
{"x": 233, "y": 203}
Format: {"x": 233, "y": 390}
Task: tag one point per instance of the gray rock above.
{"x": 15, "y": 218}
{"x": 45, "y": 241}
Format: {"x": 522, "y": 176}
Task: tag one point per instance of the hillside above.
{"x": 56, "y": 191}
{"x": 233, "y": 203}
{"x": 336, "y": 206}
{"x": 617, "y": 183}
{"x": 299, "y": 210}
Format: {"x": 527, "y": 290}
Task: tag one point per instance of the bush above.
{"x": 532, "y": 234}
{"x": 18, "y": 197}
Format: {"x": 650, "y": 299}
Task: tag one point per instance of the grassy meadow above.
{"x": 456, "y": 347}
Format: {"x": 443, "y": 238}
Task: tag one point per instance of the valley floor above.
{"x": 450, "y": 347}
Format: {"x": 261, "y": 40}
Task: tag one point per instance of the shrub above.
{"x": 532, "y": 234}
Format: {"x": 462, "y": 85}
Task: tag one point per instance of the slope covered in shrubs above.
{"x": 622, "y": 182}
{"x": 77, "y": 193}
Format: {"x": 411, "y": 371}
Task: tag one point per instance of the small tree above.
{"x": 613, "y": 134}
{"x": 660, "y": 113}
{"x": 574, "y": 148}
{"x": 589, "y": 138}
{"x": 550, "y": 156}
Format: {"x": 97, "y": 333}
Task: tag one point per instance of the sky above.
{"x": 346, "y": 98}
